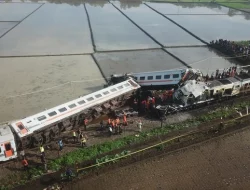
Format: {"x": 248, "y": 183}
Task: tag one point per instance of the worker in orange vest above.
{"x": 125, "y": 120}
{"x": 25, "y": 164}
{"x": 85, "y": 124}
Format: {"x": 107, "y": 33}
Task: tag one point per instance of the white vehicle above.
{"x": 7, "y": 144}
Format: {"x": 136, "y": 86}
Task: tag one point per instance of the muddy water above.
{"x": 137, "y": 61}
{"x": 24, "y": 75}
{"x": 51, "y": 30}
{"x": 113, "y": 31}
{"x": 166, "y": 32}
{"x": 212, "y": 27}
{"x": 203, "y": 58}
{"x": 191, "y": 8}
{"x": 16, "y": 11}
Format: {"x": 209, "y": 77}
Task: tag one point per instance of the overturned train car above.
{"x": 48, "y": 124}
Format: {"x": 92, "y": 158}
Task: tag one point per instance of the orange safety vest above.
{"x": 25, "y": 163}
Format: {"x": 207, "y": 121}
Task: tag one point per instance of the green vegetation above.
{"x": 245, "y": 43}
{"x": 237, "y": 4}
{"x": 80, "y": 155}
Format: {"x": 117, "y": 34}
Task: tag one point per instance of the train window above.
{"x": 81, "y": 102}
{"x": 175, "y": 76}
{"x": 105, "y": 93}
{"x": 113, "y": 90}
{"x": 52, "y": 113}
{"x": 120, "y": 87}
{"x": 142, "y": 78}
{"x": 158, "y": 77}
{"x": 135, "y": 78}
{"x": 72, "y": 106}
{"x": 62, "y": 109}
{"x": 166, "y": 76}
{"x": 127, "y": 84}
{"x": 0, "y": 150}
{"x": 20, "y": 126}
{"x": 41, "y": 118}
{"x": 98, "y": 95}
{"x": 150, "y": 77}
{"x": 90, "y": 98}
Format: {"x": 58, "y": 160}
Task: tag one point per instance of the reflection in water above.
{"x": 113, "y": 31}
{"x": 203, "y": 58}
{"x": 213, "y": 27}
{"x": 160, "y": 28}
{"x": 136, "y": 61}
{"x": 196, "y": 8}
{"x": 100, "y": 3}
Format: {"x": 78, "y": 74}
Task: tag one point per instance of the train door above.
{"x": 8, "y": 150}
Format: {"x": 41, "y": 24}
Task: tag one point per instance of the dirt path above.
{"x": 221, "y": 163}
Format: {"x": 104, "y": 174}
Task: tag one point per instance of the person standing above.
{"x": 85, "y": 124}
{"x": 42, "y": 150}
{"x": 60, "y": 143}
{"x": 25, "y": 164}
{"x": 74, "y": 136}
{"x": 139, "y": 124}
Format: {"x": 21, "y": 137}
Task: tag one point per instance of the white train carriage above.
{"x": 225, "y": 87}
{"x": 165, "y": 78}
{"x": 158, "y": 78}
{"x": 7, "y": 144}
{"x": 38, "y": 122}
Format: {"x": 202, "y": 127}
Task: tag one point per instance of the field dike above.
{"x": 104, "y": 157}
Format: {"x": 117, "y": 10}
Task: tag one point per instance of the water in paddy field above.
{"x": 113, "y": 31}
{"x": 45, "y": 44}
{"x": 137, "y": 61}
{"x": 203, "y": 58}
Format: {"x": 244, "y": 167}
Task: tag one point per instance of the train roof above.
{"x": 36, "y": 122}
{"x": 157, "y": 72}
{"x": 5, "y": 134}
{"x": 243, "y": 76}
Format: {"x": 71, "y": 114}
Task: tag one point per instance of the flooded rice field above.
{"x": 191, "y": 8}
{"x": 48, "y": 78}
{"x": 113, "y": 31}
{"x": 136, "y": 61}
{"x": 51, "y": 30}
{"x": 204, "y": 58}
{"x": 44, "y": 44}
{"x": 212, "y": 27}
{"x": 5, "y": 26}
{"x": 16, "y": 11}
{"x": 163, "y": 30}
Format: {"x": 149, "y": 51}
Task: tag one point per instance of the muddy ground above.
{"x": 220, "y": 163}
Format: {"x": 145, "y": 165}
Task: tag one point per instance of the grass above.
{"x": 80, "y": 155}
{"x": 238, "y": 4}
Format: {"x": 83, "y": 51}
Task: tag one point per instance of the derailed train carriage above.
{"x": 193, "y": 92}
{"x": 50, "y": 123}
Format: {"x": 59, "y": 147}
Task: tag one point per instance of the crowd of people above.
{"x": 231, "y": 48}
